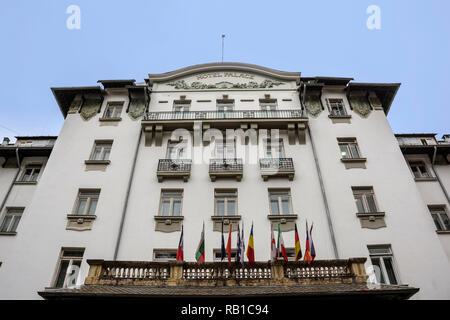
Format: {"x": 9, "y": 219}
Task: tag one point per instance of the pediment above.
{"x": 224, "y": 76}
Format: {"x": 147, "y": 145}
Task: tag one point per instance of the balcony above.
{"x": 171, "y": 168}
{"x": 320, "y": 279}
{"x": 226, "y": 168}
{"x": 154, "y": 123}
{"x": 277, "y": 167}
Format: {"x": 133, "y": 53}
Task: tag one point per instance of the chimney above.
{"x": 5, "y": 141}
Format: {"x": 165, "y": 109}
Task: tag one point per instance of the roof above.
{"x": 386, "y": 92}
{"x": 299, "y": 291}
{"x": 65, "y": 95}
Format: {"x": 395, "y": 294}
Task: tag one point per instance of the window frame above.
{"x": 89, "y": 197}
{"x": 217, "y": 253}
{"x": 32, "y": 167}
{"x": 224, "y": 145}
{"x": 382, "y": 256}
{"x": 290, "y": 252}
{"x": 114, "y": 105}
{"x": 169, "y": 251}
{"x": 417, "y": 163}
{"x": 172, "y": 199}
{"x": 365, "y": 203}
{"x": 11, "y": 222}
{"x": 227, "y": 107}
{"x": 102, "y": 150}
{"x": 280, "y": 144}
{"x": 441, "y": 210}
{"x": 71, "y": 260}
{"x": 226, "y": 195}
{"x": 332, "y": 104}
{"x": 279, "y": 197}
{"x": 347, "y": 142}
{"x": 180, "y": 145}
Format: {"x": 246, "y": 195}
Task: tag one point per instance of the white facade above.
{"x": 127, "y": 207}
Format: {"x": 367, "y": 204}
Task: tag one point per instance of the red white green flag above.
{"x": 200, "y": 253}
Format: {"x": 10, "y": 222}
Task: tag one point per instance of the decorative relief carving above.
{"x": 360, "y": 104}
{"x": 181, "y": 84}
{"x": 136, "y": 108}
{"x": 312, "y": 104}
{"x": 375, "y": 102}
{"x": 90, "y": 108}
{"x": 75, "y": 106}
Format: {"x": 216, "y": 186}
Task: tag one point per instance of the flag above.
{"x": 180, "y": 253}
{"x": 238, "y": 246}
{"x": 273, "y": 248}
{"x": 242, "y": 250}
{"x": 307, "y": 256}
{"x": 222, "y": 248}
{"x": 200, "y": 253}
{"x": 312, "y": 249}
{"x": 280, "y": 247}
{"x": 298, "y": 248}
{"x": 251, "y": 248}
{"x": 229, "y": 245}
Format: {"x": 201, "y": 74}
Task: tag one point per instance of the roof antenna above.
{"x": 223, "y": 39}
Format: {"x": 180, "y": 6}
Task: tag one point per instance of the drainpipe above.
{"x": 12, "y": 182}
{"x": 437, "y": 176}
{"x": 127, "y": 196}
{"x": 322, "y": 186}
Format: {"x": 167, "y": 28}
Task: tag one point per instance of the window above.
{"x": 225, "y": 202}
{"x": 382, "y": 260}
{"x": 11, "y": 220}
{"x": 217, "y": 255}
{"x": 440, "y": 218}
{"x": 224, "y": 150}
{"x": 171, "y": 201}
{"x": 336, "y": 107}
{"x": 280, "y": 202}
{"x": 113, "y": 110}
{"x": 86, "y": 202}
{"x": 176, "y": 149}
{"x": 349, "y": 148}
{"x": 290, "y": 252}
{"x": 270, "y": 108}
{"x": 181, "y": 107}
{"x": 419, "y": 169}
{"x": 101, "y": 151}
{"x": 164, "y": 254}
{"x": 31, "y": 173}
{"x": 274, "y": 148}
{"x": 365, "y": 200}
{"x": 224, "y": 110}
{"x": 68, "y": 268}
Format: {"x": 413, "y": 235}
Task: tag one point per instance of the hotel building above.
{"x": 98, "y": 210}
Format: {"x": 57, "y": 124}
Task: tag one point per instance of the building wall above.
{"x": 32, "y": 256}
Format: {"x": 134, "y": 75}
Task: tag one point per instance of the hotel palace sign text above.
{"x": 225, "y": 75}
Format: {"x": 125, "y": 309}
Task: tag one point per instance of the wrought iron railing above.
{"x": 278, "y": 164}
{"x": 220, "y": 165}
{"x": 217, "y": 115}
{"x": 174, "y": 165}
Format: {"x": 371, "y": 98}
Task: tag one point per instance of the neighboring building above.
{"x": 236, "y": 144}
{"x": 428, "y": 160}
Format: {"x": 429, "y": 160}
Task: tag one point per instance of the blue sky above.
{"x": 129, "y": 39}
